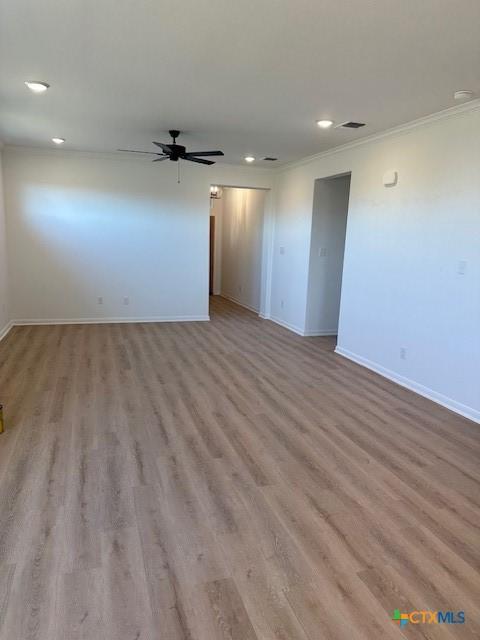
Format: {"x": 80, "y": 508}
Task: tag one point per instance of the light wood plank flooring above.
{"x": 226, "y": 480}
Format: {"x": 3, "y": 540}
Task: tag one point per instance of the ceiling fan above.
{"x": 176, "y": 152}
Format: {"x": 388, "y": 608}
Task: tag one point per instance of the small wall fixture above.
{"x": 36, "y": 86}
{"x": 390, "y": 178}
{"x": 463, "y": 95}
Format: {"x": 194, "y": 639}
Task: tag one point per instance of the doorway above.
{"x": 238, "y": 239}
{"x": 212, "y": 255}
{"x": 327, "y": 248}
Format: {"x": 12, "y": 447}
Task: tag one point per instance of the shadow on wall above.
{"x": 139, "y": 254}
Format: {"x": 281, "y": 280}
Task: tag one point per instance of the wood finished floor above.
{"x": 226, "y": 480}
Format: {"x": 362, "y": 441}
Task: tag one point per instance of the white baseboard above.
{"x": 445, "y": 401}
{"x": 298, "y": 330}
{"x": 328, "y": 332}
{"x": 240, "y": 304}
{"x": 110, "y": 320}
{"x": 287, "y": 325}
{"x": 5, "y": 331}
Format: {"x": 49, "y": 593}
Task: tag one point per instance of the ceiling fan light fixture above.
{"x": 58, "y": 140}
{"x": 249, "y": 159}
{"x": 36, "y": 86}
{"x": 175, "y": 152}
{"x": 324, "y": 124}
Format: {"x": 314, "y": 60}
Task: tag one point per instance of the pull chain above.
{"x": 178, "y": 172}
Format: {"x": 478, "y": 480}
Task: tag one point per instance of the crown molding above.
{"x": 472, "y": 105}
{"x": 451, "y": 112}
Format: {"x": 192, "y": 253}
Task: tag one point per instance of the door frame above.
{"x": 267, "y": 244}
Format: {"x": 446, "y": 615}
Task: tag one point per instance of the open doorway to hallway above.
{"x": 236, "y": 244}
{"x": 327, "y": 248}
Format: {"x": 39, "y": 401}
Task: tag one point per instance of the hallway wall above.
{"x": 242, "y": 240}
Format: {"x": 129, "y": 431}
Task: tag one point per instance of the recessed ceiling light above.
{"x": 463, "y": 94}
{"x": 36, "y": 86}
{"x": 58, "y": 140}
{"x": 324, "y": 124}
{"x": 249, "y": 159}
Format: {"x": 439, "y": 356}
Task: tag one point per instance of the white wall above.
{"x": 401, "y": 286}
{"x": 4, "y": 301}
{"x": 82, "y": 226}
{"x": 242, "y": 241}
{"x": 327, "y": 245}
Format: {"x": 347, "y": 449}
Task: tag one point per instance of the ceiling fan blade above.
{"x": 204, "y": 153}
{"x": 199, "y": 160}
{"x": 164, "y": 147}
{"x": 150, "y": 153}
{"x": 161, "y": 158}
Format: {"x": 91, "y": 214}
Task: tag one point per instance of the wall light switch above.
{"x": 126, "y": 301}
{"x": 322, "y": 252}
{"x": 99, "y": 300}
{"x": 282, "y": 251}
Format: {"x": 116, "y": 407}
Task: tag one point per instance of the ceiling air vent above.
{"x": 270, "y": 159}
{"x": 352, "y": 125}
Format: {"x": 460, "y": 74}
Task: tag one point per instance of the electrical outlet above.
{"x": 100, "y": 300}
{"x": 403, "y": 353}
{"x": 126, "y": 301}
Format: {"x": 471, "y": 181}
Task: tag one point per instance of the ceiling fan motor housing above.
{"x": 177, "y": 151}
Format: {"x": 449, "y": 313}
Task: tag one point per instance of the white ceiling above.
{"x": 245, "y": 76}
